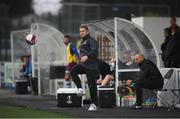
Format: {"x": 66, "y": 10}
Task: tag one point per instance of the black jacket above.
{"x": 150, "y": 72}
{"x": 164, "y": 46}
{"x": 89, "y": 47}
{"x": 172, "y": 54}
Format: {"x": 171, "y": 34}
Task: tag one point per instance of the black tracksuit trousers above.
{"x": 147, "y": 85}
{"x": 91, "y": 77}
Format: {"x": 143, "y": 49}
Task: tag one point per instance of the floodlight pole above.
{"x": 33, "y": 63}
{"x": 12, "y": 58}
{"x": 116, "y": 63}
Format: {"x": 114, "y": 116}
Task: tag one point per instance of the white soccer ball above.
{"x": 31, "y": 39}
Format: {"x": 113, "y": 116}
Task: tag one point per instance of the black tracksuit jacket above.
{"x": 89, "y": 47}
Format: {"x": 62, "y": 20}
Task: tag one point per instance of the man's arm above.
{"x": 73, "y": 51}
{"x": 145, "y": 72}
{"x": 30, "y": 68}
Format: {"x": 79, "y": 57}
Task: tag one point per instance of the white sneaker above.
{"x": 92, "y": 107}
{"x": 80, "y": 92}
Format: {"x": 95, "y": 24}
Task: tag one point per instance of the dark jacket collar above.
{"x": 141, "y": 62}
{"x": 86, "y": 37}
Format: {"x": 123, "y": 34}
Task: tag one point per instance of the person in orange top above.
{"x": 173, "y": 27}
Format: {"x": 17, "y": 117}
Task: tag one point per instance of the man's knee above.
{"x": 73, "y": 72}
{"x": 138, "y": 83}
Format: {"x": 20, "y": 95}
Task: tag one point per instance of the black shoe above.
{"x": 136, "y": 106}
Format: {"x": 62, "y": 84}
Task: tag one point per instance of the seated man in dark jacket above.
{"x": 150, "y": 78}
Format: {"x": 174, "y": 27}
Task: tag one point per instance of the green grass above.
{"x": 11, "y": 111}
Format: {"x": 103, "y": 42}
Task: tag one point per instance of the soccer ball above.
{"x": 31, "y": 39}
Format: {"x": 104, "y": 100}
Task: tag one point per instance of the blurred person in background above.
{"x": 26, "y": 71}
{"x": 72, "y": 59}
{"x": 173, "y": 26}
{"x": 127, "y": 61}
{"x": 26, "y": 67}
{"x": 172, "y": 54}
{"x": 168, "y": 37}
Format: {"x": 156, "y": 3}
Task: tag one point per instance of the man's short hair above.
{"x": 85, "y": 27}
{"x": 28, "y": 56}
{"x": 67, "y": 36}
